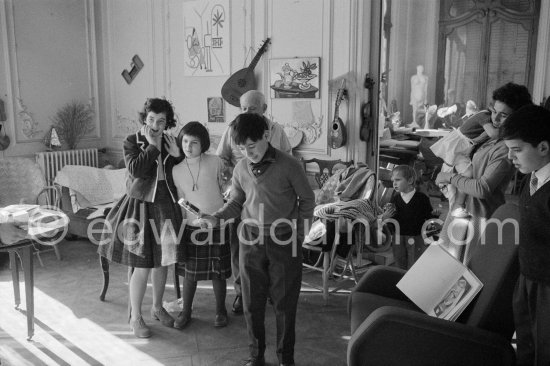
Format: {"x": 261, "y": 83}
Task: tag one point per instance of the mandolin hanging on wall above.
{"x": 338, "y": 129}
{"x": 243, "y": 80}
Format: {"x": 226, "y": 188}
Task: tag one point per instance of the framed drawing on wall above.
{"x": 206, "y": 35}
{"x": 294, "y": 77}
{"x": 216, "y": 109}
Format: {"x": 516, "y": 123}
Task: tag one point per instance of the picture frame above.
{"x": 295, "y": 77}
{"x": 216, "y": 109}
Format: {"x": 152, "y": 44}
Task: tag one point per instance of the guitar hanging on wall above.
{"x": 243, "y": 80}
{"x": 338, "y": 129}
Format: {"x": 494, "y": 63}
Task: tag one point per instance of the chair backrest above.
{"x": 21, "y": 181}
{"x": 326, "y": 168}
{"x": 494, "y": 261}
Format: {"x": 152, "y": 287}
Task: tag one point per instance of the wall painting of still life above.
{"x": 294, "y": 77}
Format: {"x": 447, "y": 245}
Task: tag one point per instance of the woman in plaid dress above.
{"x": 131, "y": 236}
{"x": 204, "y": 254}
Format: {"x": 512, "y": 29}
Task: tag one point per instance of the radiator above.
{"x": 52, "y": 161}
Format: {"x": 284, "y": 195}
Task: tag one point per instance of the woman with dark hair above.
{"x": 204, "y": 255}
{"x": 131, "y": 234}
{"x": 491, "y": 174}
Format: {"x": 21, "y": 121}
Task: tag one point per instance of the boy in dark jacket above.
{"x": 527, "y": 134}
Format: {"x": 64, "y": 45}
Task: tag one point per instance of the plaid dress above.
{"x": 134, "y": 239}
{"x": 205, "y": 255}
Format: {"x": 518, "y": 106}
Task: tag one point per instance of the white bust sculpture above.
{"x": 419, "y": 91}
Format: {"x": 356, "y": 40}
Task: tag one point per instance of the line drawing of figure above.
{"x": 419, "y": 91}
{"x": 451, "y": 299}
{"x": 195, "y": 51}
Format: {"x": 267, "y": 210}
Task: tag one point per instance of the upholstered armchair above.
{"x": 388, "y": 329}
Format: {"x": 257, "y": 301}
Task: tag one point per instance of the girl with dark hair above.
{"x": 205, "y": 255}
{"x": 131, "y": 234}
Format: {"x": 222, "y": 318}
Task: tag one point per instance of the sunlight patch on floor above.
{"x": 60, "y": 336}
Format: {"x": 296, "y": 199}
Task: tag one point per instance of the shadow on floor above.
{"x": 73, "y": 327}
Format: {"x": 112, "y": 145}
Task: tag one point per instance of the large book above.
{"x": 439, "y": 284}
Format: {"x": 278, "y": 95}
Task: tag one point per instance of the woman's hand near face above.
{"x": 171, "y": 146}
{"x": 151, "y": 138}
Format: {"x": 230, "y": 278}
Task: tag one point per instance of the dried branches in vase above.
{"x": 73, "y": 121}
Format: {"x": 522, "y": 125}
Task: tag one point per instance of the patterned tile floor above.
{"x": 74, "y": 328}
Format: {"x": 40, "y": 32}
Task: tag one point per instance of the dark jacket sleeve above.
{"x": 141, "y": 163}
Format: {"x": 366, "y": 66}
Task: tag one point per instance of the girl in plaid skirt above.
{"x": 204, "y": 254}
{"x": 131, "y": 236}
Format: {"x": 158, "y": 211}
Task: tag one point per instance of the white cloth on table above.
{"x": 92, "y": 186}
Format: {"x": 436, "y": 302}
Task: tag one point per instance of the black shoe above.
{"x": 221, "y": 320}
{"x": 238, "y": 305}
{"x": 254, "y": 361}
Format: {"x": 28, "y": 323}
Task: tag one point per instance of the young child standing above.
{"x": 411, "y": 209}
{"x": 526, "y": 133}
{"x": 150, "y": 203}
{"x": 198, "y": 179}
{"x": 272, "y": 196}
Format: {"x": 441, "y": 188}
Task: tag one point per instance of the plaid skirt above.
{"x": 205, "y": 255}
{"x": 134, "y": 237}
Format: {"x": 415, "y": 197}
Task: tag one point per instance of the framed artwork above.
{"x": 206, "y": 37}
{"x": 294, "y": 77}
{"x": 216, "y": 109}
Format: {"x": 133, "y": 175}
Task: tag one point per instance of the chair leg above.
{"x": 326, "y": 273}
{"x": 57, "y": 252}
{"x": 15, "y": 278}
{"x": 104, "y": 263}
{"x": 37, "y": 252}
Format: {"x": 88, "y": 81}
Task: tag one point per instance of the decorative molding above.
{"x": 92, "y": 66}
{"x": 23, "y": 119}
{"x": 124, "y": 125}
{"x": 29, "y": 127}
{"x": 541, "y": 58}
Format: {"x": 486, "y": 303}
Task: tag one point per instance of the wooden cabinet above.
{"x": 482, "y": 45}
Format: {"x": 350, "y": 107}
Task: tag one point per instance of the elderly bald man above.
{"x": 252, "y": 101}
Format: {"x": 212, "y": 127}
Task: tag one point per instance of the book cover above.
{"x": 439, "y": 284}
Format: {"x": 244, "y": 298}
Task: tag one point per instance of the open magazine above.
{"x": 439, "y": 284}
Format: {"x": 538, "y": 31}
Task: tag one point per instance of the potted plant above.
{"x": 73, "y": 121}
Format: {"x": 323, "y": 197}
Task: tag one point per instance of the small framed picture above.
{"x": 216, "y": 109}
{"x": 294, "y": 77}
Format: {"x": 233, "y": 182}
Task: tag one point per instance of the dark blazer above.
{"x": 141, "y": 160}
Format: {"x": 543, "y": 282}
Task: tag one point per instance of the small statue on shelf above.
{"x": 419, "y": 92}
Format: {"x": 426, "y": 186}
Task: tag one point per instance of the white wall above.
{"x": 307, "y": 28}
{"x": 47, "y": 59}
{"x": 53, "y": 51}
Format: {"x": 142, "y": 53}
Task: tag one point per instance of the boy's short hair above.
{"x": 157, "y": 105}
{"x": 513, "y": 95}
{"x": 406, "y": 171}
{"x": 530, "y": 124}
{"x": 248, "y": 126}
{"x": 196, "y": 129}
